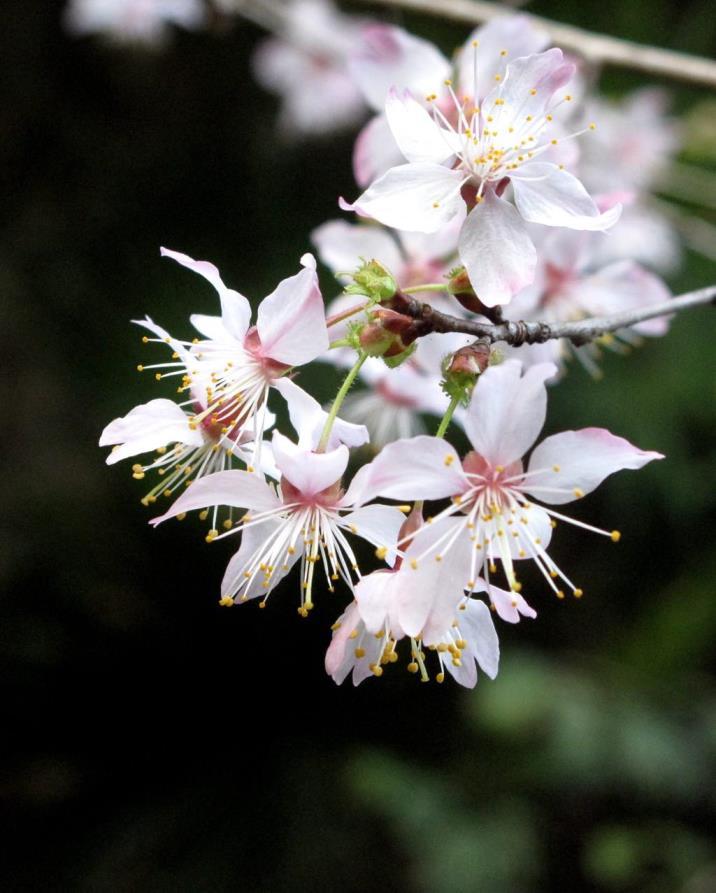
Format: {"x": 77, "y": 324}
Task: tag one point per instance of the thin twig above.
{"x": 597, "y": 48}
{"x": 518, "y": 333}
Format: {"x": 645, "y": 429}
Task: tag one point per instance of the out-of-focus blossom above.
{"x": 389, "y": 57}
{"x": 307, "y": 67}
{"x": 569, "y": 285}
{"x": 473, "y": 160}
{"x": 491, "y": 516}
{"x": 306, "y": 518}
{"x": 141, "y": 21}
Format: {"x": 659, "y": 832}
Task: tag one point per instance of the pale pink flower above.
{"x": 492, "y": 516}
{"x": 229, "y": 372}
{"x": 142, "y": 21}
{"x": 501, "y": 143}
{"x": 388, "y": 56}
{"x": 305, "y": 519}
{"x": 307, "y": 67}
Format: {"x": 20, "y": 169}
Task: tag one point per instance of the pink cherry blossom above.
{"x": 492, "y": 516}
{"x": 305, "y": 519}
{"x": 307, "y": 67}
{"x": 145, "y": 21}
{"x": 502, "y": 142}
{"x": 388, "y": 57}
{"x": 229, "y": 372}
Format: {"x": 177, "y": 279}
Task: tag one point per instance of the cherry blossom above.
{"x": 390, "y": 57}
{"x": 492, "y": 516}
{"x": 306, "y": 518}
{"x": 144, "y": 21}
{"x": 471, "y": 162}
{"x": 307, "y": 67}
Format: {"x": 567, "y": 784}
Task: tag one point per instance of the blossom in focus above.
{"x": 228, "y": 373}
{"x": 388, "y": 57}
{"x": 143, "y": 21}
{"x": 307, "y": 67}
{"x": 491, "y": 516}
{"x": 306, "y": 518}
{"x": 471, "y": 162}
{"x": 570, "y": 284}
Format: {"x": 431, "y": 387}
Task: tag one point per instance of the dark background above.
{"x": 153, "y": 741}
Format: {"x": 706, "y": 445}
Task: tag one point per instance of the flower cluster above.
{"x": 474, "y": 201}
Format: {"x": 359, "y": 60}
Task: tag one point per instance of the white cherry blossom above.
{"x": 142, "y": 21}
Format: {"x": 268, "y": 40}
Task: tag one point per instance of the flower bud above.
{"x": 470, "y": 360}
{"x": 373, "y": 280}
{"x": 388, "y": 334}
{"x": 461, "y": 289}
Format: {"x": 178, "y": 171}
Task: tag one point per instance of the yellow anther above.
{"x": 554, "y": 142}
{"x": 440, "y": 677}
{"x": 555, "y": 468}
{"x": 412, "y": 667}
{"x": 550, "y": 117}
{"x": 376, "y": 669}
{"x": 140, "y": 368}
{"x": 560, "y": 594}
{"x": 478, "y": 201}
{"x": 578, "y": 493}
{"x": 578, "y": 593}
{"x": 449, "y": 459}
{"x": 226, "y": 601}
{"x": 493, "y": 567}
{"x": 447, "y": 82}
{"x": 181, "y": 516}
{"x": 381, "y": 552}
{"x": 498, "y": 77}
{"x": 499, "y": 468}
{"x": 438, "y": 558}
{"x": 405, "y": 509}
{"x": 615, "y": 536}
{"x": 138, "y": 475}
{"x": 529, "y": 118}
{"x": 456, "y": 662}
{"x": 336, "y": 625}
{"x": 517, "y": 586}
{"x": 359, "y": 652}
{"x": 414, "y": 564}
{"x": 227, "y": 525}
{"x": 436, "y": 204}
{"x": 592, "y": 126}
{"x": 204, "y": 515}
{"x": 211, "y": 535}
{"x": 568, "y": 97}
{"x": 158, "y": 376}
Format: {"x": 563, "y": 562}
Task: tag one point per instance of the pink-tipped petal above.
{"x": 235, "y": 308}
{"x": 496, "y": 250}
{"x": 309, "y": 472}
{"x": 291, "y": 321}
{"x": 507, "y": 410}
{"x": 148, "y": 427}
{"x": 417, "y": 197}
{"x": 574, "y": 463}
{"x": 373, "y": 596}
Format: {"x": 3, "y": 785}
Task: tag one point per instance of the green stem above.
{"x": 430, "y": 286}
{"x": 340, "y": 397}
{"x": 447, "y": 418}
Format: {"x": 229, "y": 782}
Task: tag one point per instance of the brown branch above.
{"x": 521, "y": 332}
{"x": 597, "y": 48}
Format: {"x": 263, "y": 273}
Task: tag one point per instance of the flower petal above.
{"x": 507, "y": 410}
{"x": 418, "y": 136}
{"x": 529, "y": 84}
{"x": 416, "y": 197}
{"x": 291, "y": 321}
{"x": 497, "y": 251}
{"x": 415, "y": 468}
{"x": 378, "y": 524}
{"x": 240, "y": 489}
{"x": 479, "y": 631}
{"x": 508, "y": 605}
{"x": 388, "y": 56}
{"x": 342, "y": 245}
{"x": 235, "y": 308}
{"x": 375, "y": 151}
{"x": 252, "y": 539}
{"x": 309, "y": 472}
{"x": 147, "y": 427}
{"x": 308, "y": 419}
{"x": 553, "y": 197}
{"x": 374, "y": 594}
{"x": 576, "y": 462}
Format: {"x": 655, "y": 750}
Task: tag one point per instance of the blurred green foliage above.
{"x": 156, "y": 742}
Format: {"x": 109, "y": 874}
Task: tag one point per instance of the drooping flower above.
{"x": 307, "y": 67}
{"x": 142, "y": 21}
{"x": 388, "y": 57}
{"x": 501, "y": 142}
{"x": 229, "y": 372}
{"x": 305, "y": 519}
{"x": 492, "y": 516}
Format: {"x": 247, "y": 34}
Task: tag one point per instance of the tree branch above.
{"x": 518, "y": 333}
{"x": 597, "y": 48}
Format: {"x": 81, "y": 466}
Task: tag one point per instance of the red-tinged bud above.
{"x": 461, "y": 289}
{"x": 471, "y": 360}
{"x": 375, "y": 340}
{"x": 388, "y": 334}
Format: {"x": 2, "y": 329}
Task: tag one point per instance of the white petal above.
{"x": 378, "y": 524}
{"x": 147, "y": 427}
{"x": 375, "y": 151}
{"x": 583, "y": 459}
{"x": 418, "y": 136}
{"x": 235, "y": 308}
{"x": 240, "y": 489}
{"x": 508, "y": 605}
{"x": 496, "y": 250}
{"x": 291, "y": 321}
{"x": 480, "y": 633}
{"x": 308, "y": 419}
{"x": 416, "y": 197}
{"x": 507, "y": 410}
{"x": 388, "y": 56}
{"x": 211, "y": 327}
{"x": 374, "y": 594}
{"x": 342, "y": 245}
{"x": 543, "y": 73}
{"x": 252, "y": 540}
{"x": 309, "y": 472}
{"x": 553, "y": 197}
{"x": 416, "y": 468}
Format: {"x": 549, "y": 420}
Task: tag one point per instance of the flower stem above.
{"x": 345, "y": 314}
{"x": 340, "y": 397}
{"x": 447, "y": 418}
{"x": 429, "y": 286}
